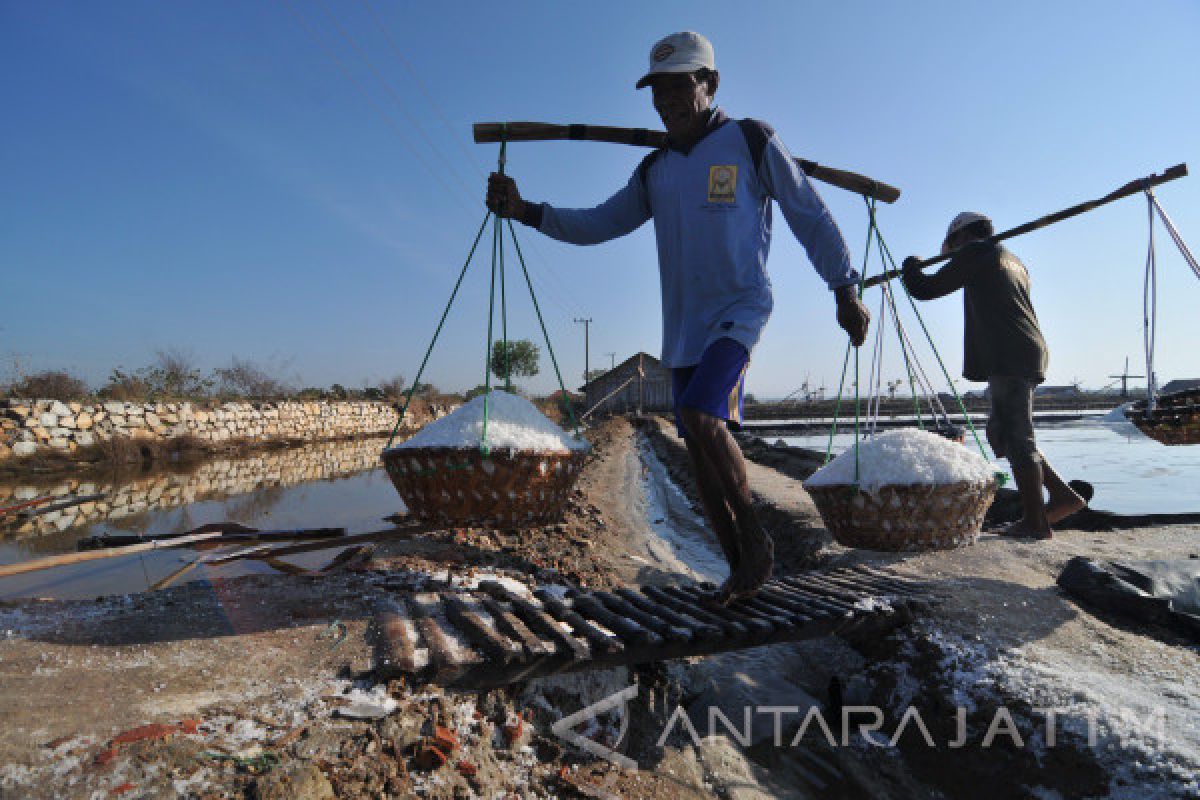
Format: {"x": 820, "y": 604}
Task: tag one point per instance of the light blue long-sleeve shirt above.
{"x": 712, "y": 222}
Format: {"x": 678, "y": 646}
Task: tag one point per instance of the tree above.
{"x": 473, "y": 393}
{"x": 519, "y": 359}
{"x": 50, "y": 385}
{"x": 394, "y": 388}
{"x": 247, "y": 379}
{"x": 173, "y": 376}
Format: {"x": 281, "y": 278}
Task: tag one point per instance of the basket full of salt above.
{"x": 914, "y": 491}
{"x": 521, "y": 480}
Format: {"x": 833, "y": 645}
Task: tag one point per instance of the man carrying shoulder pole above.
{"x": 709, "y": 192}
{"x": 1002, "y": 345}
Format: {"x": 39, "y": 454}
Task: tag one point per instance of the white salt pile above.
{"x": 904, "y": 457}
{"x": 514, "y": 423}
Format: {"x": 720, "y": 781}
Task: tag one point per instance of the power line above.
{"x": 391, "y": 123}
{"x": 470, "y": 159}
{"x": 387, "y": 87}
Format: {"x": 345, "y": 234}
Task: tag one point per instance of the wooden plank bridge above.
{"x": 492, "y": 636}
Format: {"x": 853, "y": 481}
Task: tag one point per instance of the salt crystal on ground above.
{"x": 904, "y": 457}
{"x": 514, "y": 423}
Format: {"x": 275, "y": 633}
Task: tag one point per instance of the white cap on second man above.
{"x": 963, "y": 220}
{"x": 679, "y": 52}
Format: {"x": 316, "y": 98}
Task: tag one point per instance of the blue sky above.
{"x": 294, "y": 182}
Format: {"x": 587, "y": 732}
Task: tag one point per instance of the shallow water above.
{"x": 315, "y": 486}
{"x": 1132, "y": 473}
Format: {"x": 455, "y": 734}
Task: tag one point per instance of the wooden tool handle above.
{"x": 850, "y": 181}
{"x": 1131, "y": 188}
{"x": 643, "y": 137}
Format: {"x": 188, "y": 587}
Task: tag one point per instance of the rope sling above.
{"x": 1150, "y": 288}
{"x": 918, "y": 379}
{"x": 497, "y": 269}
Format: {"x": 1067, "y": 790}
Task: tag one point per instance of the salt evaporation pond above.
{"x": 335, "y": 485}
{"x": 1132, "y": 473}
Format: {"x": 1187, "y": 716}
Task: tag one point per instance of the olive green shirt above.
{"x": 1001, "y": 336}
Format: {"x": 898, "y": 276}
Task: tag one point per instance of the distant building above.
{"x": 1180, "y": 385}
{"x": 1070, "y": 390}
{"x": 638, "y": 382}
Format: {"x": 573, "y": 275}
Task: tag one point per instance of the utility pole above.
{"x": 586, "y": 330}
{"x": 612, "y": 361}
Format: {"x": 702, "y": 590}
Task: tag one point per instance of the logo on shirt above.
{"x": 722, "y": 183}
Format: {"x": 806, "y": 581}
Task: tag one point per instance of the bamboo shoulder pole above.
{"x": 644, "y": 137}
{"x": 93, "y": 555}
{"x": 1133, "y": 187}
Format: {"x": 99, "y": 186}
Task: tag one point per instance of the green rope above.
{"x": 487, "y": 359}
{"x": 545, "y": 334}
{"x": 497, "y": 250}
{"x": 856, "y": 405}
{"x": 438, "y": 331}
{"x": 837, "y": 406}
{"x": 891, "y": 301}
{"x": 503, "y": 297}
{"x": 942, "y": 364}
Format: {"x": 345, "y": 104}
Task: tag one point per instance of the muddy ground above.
{"x": 249, "y": 687}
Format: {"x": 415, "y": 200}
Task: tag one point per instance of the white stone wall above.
{"x": 30, "y": 426}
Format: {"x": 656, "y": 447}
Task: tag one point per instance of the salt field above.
{"x": 342, "y": 485}
{"x": 1132, "y": 474}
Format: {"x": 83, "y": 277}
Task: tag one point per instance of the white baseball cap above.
{"x": 963, "y": 220}
{"x": 680, "y": 52}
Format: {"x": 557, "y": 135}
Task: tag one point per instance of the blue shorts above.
{"x": 716, "y": 386}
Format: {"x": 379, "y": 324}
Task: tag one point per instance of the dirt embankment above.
{"x": 247, "y": 687}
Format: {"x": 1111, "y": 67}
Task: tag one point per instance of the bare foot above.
{"x": 1022, "y": 529}
{"x": 1062, "y": 506}
{"x": 758, "y": 559}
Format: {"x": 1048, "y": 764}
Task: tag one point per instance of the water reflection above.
{"x": 338, "y": 484}
{"x": 256, "y": 481}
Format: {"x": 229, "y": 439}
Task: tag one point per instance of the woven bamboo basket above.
{"x": 460, "y": 487}
{"x": 1174, "y": 420}
{"x": 905, "y": 518}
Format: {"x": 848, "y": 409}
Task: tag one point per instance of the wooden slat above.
{"x": 630, "y": 632}
{"x": 763, "y": 623}
{"x": 888, "y": 579}
{"x": 698, "y": 630}
{"x": 444, "y": 656}
{"x": 511, "y": 625}
{"x": 619, "y": 605}
{"x": 762, "y": 605}
{"x": 396, "y": 653}
{"x": 833, "y": 590}
{"x": 726, "y": 627}
{"x": 466, "y": 615}
{"x": 600, "y": 641}
{"x": 538, "y": 620}
{"x": 861, "y": 587}
{"x": 794, "y": 604}
{"x": 826, "y": 602}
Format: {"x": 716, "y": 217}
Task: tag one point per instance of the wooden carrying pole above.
{"x": 93, "y": 555}
{"x": 644, "y": 137}
{"x": 1133, "y": 187}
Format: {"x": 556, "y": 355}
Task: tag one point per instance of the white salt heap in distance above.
{"x": 514, "y": 423}
{"x": 904, "y": 457}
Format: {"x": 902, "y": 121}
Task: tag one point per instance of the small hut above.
{"x": 639, "y": 383}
